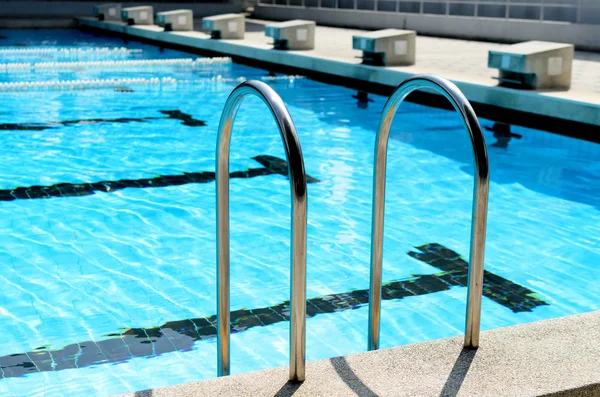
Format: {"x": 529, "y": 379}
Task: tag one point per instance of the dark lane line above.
{"x": 186, "y": 119}
{"x": 180, "y": 335}
{"x": 273, "y": 165}
{"x": 505, "y": 292}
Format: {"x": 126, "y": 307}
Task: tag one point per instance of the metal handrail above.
{"x": 480, "y": 202}
{"x": 297, "y": 176}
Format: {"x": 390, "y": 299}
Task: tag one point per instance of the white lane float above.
{"x": 119, "y": 64}
{"x": 162, "y": 83}
{"x": 54, "y": 50}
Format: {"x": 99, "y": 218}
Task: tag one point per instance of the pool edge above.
{"x": 556, "y": 357}
{"x": 582, "y": 119}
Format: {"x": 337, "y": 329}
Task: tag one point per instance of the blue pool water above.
{"x": 98, "y": 288}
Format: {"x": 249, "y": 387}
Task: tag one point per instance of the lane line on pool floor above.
{"x": 187, "y": 120}
{"x": 272, "y": 165}
{"x": 181, "y": 335}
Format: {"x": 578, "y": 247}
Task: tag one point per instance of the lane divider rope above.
{"x": 51, "y": 66}
{"x": 53, "y": 50}
{"x": 73, "y": 85}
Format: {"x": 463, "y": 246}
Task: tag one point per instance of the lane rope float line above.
{"x": 68, "y": 51}
{"x": 72, "y": 85}
{"x": 114, "y": 64}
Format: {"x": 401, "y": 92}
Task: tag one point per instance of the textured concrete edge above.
{"x": 525, "y": 101}
{"x": 551, "y": 358}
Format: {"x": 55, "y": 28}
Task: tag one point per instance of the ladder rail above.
{"x": 299, "y": 201}
{"x": 479, "y": 212}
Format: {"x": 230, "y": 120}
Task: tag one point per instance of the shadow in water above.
{"x": 349, "y": 377}
{"x": 288, "y": 389}
{"x": 458, "y": 373}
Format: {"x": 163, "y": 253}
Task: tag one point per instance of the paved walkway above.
{"x": 463, "y": 62}
{"x": 460, "y": 60}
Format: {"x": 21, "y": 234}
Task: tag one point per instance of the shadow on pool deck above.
{"x": 551, "y": 358}
{"x": 458, "y": 373}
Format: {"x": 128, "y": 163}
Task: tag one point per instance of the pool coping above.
{"x": 578, "y": 119}
{"x": 557, "y": 357}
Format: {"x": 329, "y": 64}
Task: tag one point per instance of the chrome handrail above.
{"x": 480, "y": 202}
{"x": 297, "y": 176}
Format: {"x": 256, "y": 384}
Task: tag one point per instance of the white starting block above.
{"x": 177, "y": 20}
{"x": 143, "y": 15}
{"x": 226, "y": 26}
{"x": 388, "y": 47}
{"x": 108, "y": 12}
{"x": 292, "y": 35}
{"x": 534, "y": 64}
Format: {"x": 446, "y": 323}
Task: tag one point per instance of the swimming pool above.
{"x": 107, "y": 208}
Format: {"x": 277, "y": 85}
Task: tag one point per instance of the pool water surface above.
{"x": 107, "y": 221}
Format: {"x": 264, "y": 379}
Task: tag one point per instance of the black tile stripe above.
{"x": 186, "y": 119}
{"x": 273, "y": 165}
{"x": 505, "y": 292}
{"x": 181, "y": 335}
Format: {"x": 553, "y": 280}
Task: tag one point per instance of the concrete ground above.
{"x": 454, "y": 59}
{"x": 463, "y": 62}
{"x": 559, "y": 357}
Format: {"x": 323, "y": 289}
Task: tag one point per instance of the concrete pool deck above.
{"x": 558, "y": 357}
{"x": 463, "y": 62}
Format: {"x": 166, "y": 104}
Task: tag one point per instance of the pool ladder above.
{"x": 297, "y": 177}
{"x": 480, "y": 202}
